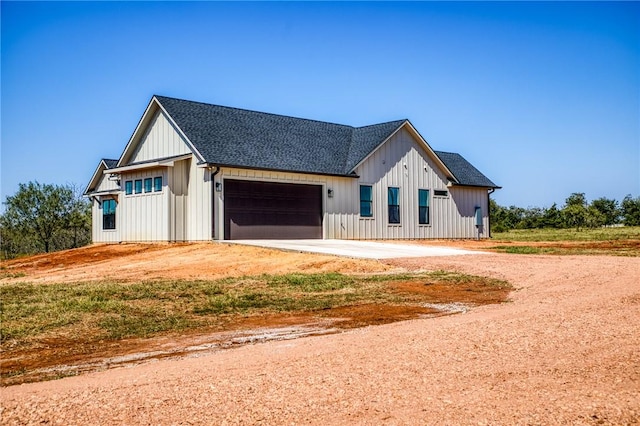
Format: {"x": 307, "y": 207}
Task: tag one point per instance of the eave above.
{"x": 162, "y": 162}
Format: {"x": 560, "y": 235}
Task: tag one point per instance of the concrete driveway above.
{"x": 359, "y": 249}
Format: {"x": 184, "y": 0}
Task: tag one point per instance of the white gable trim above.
{"x": 163, "y": 162}
{"x": 420, "y": 139}
{"x": 149, "y": 113}
{"x": 97, "y": 175}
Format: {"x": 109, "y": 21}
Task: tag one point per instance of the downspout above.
{"x": 489, "y": 192}
{"x": 213, "y": 203}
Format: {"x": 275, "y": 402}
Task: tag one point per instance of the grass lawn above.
{"x": 77, "y": 318}
{"x": 621, "y": 241}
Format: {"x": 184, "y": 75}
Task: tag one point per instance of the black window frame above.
{"x": 148, "y": 188}
{"x": 440, "y": 193}
{"x": 156, "y": 187}
{"x": 128, "y": 187}
{"x": 367, "y": 202}
{"x": 423, "y": 210}
{"x": 393, "y": 213}
{"x": 137, "y": 186}
{"x": 109, "y": 214}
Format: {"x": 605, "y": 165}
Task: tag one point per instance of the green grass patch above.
{"x": 95, "y": 311}
{"x": 598, "y": 234}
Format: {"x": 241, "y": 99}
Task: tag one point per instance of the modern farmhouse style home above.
{"x": 194, "y": 171}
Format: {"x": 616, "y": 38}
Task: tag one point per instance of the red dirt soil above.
{"x": 563, "y": 351}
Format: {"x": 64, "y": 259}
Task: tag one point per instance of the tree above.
{"x": 631, "y": 211}
{"x": 608, "y": 209}
{"x": 575, "y": 210}
{"x": 38, "y": 217}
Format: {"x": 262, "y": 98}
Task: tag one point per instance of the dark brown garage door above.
{"x": 266, "y": 210}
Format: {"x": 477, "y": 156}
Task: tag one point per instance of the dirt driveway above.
{"x": 565, "y": 350}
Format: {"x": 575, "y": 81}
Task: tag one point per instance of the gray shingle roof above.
{"x": 110, "y": 163}
{"x": 463, "y": 171}
{"x": 242, "y": 138}
{"x": 235, "y": 137}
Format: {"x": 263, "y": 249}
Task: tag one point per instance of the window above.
{"x": 157, "y": 184}
{"x": 441, "y": 193}
{"x": 423, "y": 206}
{"x": 147, "y": 184}
{"x": 366, "y": 201}
{"x": 138, "y": 186}
{"x": 393, "y": 201}
{"x": 128, "y": 187}
{"x": 109, "y": 214}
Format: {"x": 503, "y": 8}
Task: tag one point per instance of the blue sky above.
{"x": 544, "y": 98}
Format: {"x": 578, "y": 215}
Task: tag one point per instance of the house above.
{"x": 194, "y": 172}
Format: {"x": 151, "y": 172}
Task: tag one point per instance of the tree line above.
{"x": 575, "y": 213}
{"x": 42, "y": 218}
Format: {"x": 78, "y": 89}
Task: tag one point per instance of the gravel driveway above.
{"x": 565, "y": 350}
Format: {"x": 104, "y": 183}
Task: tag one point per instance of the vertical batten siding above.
{"x": 98, "y": 235}
{"x": 160, "y": 140}
{"x": 143, "y": 215}
{"x": 403, "y": 162}
{"x": 198, "y": 203}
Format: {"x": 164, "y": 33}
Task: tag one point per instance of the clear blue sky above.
{"x": 544, "y": 98}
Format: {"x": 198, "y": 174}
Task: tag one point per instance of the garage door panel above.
{"x": 266, "y": 210}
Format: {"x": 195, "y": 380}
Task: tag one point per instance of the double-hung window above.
{"x": 393, "y": 200}
{"x": 148, "y": 184}
{"x": 157, "y": 184}
{"x": 109, "y": 214}
{"x": 366, "y": 201}
{"x": 423, "y": 206}
{"x": 138, "y": 186}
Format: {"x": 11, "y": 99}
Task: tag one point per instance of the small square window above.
{"x": 147, "y": 185}
{"x": 128, "y": 187}
{"x": 157, "y": 183}
{"x": 138, "y": 186}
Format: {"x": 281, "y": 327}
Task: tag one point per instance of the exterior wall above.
{"x": 402, "y": 162}
{"x": 98, "y": 235}
{"x": 144, "y": 217}
{"x": 198, "y": 203}
{"x": 160, "y": 140}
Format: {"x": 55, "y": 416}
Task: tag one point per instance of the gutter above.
{"x": 213, "y": 202}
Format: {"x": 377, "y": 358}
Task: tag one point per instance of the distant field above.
{"x": 599, "y": 234}
{"x": 621, "y": 241}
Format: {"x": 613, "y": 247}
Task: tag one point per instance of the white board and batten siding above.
{"x": 98, "y": 234}
{"x": 402, "y": 162}
{"x": 182, "y": 211}
{"x": 160, "y": 140}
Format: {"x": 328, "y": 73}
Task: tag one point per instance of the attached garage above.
{"x": 268, "y": 210}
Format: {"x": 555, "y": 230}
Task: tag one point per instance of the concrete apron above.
{"x": 358, "y": 249}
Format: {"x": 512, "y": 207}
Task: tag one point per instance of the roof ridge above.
{"x": 258, "y": 112}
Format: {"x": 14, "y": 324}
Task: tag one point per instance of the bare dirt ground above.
{"x": 565, "y": 350}
{"x": 179, "y": 261}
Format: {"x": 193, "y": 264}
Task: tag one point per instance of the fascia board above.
{"x": 143, "y": 120}
{"x": 149, "y": 113}
{"x": 165, "y": 162}
{"x": 190, "y": 144}
{"x": 94, "y": 178}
